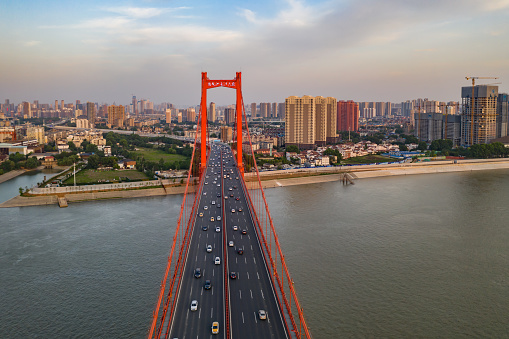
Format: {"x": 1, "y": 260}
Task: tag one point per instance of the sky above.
{"x": 362, "y": 50}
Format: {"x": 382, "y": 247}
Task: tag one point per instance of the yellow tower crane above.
{"x": 472, "y": 106}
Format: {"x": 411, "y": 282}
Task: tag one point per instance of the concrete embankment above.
{"x": 271, "y": 180}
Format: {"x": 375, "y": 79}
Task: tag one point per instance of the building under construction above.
{"x": 479, "y": 118}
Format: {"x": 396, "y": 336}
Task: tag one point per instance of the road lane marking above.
{"x": 211, "y": 312}
{"x": 240, "y": 294}
{"x": 256, "y": 320}
{"x": 258, "y": 275}
{"x": 251, "y": 293}
{"x": 243, "y": 318}
{"x": 251, "y": 247}
{"x": 196, "y": 258}
{"x": 213, "y": 272}
{"x": 248, "y": 275}
{"x": 199, "y": 314}
{"x": 245, "y": 260}
{"x": 262, "y": 294}
{"x": 254, "y": 259}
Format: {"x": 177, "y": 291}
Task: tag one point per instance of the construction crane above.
{"x": 472, "y": 106}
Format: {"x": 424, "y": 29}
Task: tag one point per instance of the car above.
{"x": 213, "y": 202}
{"x": 235, "y": 187}
{"x": 205, "y": 227}
{"x": 230, "y": 243}
{"x": 197, "y": 273}
{"x": 215, "y": 327}
{"x": 237, "y": 198}
{"x": 218, "y": 205}
{"x": 207, "y": 285}
{"x": 230, "y": 189}
{"x": 233, "y": 275}
{"x": 212, "y": 219}
{"x": 237, "y": 178}
{"x": 244, "y": 231}
{"x": 205, "y": 207}
{"x": 207, "y": 176}
{"x": 209, "y": 248}
{"x": 201, "y": 214}
{"x": 235, "y": 227}
{"x": 218, "y": 195}
{"x": 233, "y": 210}
{"x": 217, "y": 261}
{"x": 262, "y": 314}
{"x": 204, "y": 193}
{"x": 218, "y": 185}
{"x": 194, "y": 305}
{"x": 240, "y": 251}
{"x": 218, "y": 218}
{"x": 231, "y": 195}
{"x": 240, "y": 209}
{"x": 218, "y": 229}
{"x": 206, "y": 183}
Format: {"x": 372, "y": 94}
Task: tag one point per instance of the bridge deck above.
{"x": 252, "y": 290}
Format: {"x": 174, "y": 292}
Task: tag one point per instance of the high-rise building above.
{"x": 483, "y": 110}
{"x": 253, "y": 110}
{"x": 27, "y": 109}
{"x": 116, "y": 115}
{"x": 229, "y": 116}
{"x": 168, "y": 115}
{"x": 191, "y": 115}
{"x": 380, "y": 109}
{"x": 407, "y": 108}
{"x": 62, "y": 105}
{"x": 325, "y": 120}
{"x": 348, "y": 115}
{"x": 502, "y": 114}
{"x": 211, "y": 114}
{"x": 273, "y": 110}
{"x": 56, "y": 105}
{"x": 300, "y": 121}
{"x": 91, "y": 113}
{"x": 142, "y": 106}
{"x": 135, "y": 106}
{"x": 36, "y": 132}
{"x": 264, "y": 110}
{"x": 226, "y": 133}
{"x": 281, "y": 110}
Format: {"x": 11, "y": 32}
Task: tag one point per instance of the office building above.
{"x": 116, "y": 115}
{"x": 135, "y": 106}
{"x": 253, "y": 110}
{"x": 479, "y": 118}
{"x": 229, "y": 115}
{"x": 281, "y": 110}
{"x": 273, "y": 110}
{"x": 27, "y": 110}
{"x": 226, "y": 133}
{"x": 168, "y": 115}
{"x": 211, "y": 114}
{"x": 348, "y": 115}
{"x": 300, "y": 121}
{"x": 325, "y": 120}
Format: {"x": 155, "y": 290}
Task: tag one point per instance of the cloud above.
{"x": 142, "y": 12}
{"x": 31, "y": 43}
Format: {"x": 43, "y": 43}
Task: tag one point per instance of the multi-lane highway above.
{"x": 234, "y": 241}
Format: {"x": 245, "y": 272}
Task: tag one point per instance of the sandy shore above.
{"x": 300, "y": 178}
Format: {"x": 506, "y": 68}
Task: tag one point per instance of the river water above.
{"x": 9, "y": 189}
{"x": 396, "y": 257}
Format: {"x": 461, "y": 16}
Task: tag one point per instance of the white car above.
{"x": 194, "y": 305}
{"x": 233, "y": 210}
{"x": 218, "y": 229}
{"x": 205, "y": 207}
{"x": 218, "y": 218}
{"x": 217, "y": 261}
{"x": 206, "y": 183}
{"x": 213, "y": 202}
{"x": 230, "y": 243}
{"x": 209, "y": 248}
{"x": 235, "y": 227}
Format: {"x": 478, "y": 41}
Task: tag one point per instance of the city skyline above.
{"x": 361, "y": 51}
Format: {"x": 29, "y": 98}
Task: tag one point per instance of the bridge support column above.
{"x": 203, "y": 117}
{"x": 240, "y": 110}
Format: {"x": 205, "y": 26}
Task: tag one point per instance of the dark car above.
{"x": 237, "y": 198}
{"x": 197, "y": 273}
{"x": 244, "y": 231}
{"x": 218, "y": 195}
{"x": 234, "y": 186}
{"x": 240, "y": 209}
{"x": 233, "y": 275}
{"x": 205, "y": 227}
{"x": 240, "y": 251}
{"x": 231, "y": 195}
{"x": 207, "y": 285}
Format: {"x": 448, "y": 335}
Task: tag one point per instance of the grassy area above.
{"x": 88, "y": 176}
{"x": 367, "y": 159}
{"x": 155, "y": 155}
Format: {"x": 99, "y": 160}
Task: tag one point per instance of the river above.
{"x": 9, "y": 189}
{"x": 393, "y": 257}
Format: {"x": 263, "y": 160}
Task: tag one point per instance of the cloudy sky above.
{"x": 364, "y": 50}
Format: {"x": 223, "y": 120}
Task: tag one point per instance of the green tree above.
{"x": 292, "y": 148}
{"x": 32, "y": 163}
{"x": 93, "y": 161}
{"x": 91, "y": 148}
{"x": 72, "y": 146}
{"x": 422, "y": 146}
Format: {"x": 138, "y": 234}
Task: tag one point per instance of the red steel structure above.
{"x": 286, "y": 295}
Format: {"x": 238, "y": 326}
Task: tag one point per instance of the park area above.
{"x": 367, "y": 159}
{"x": 90, "y": 176}
{"x": 155, "y": 155}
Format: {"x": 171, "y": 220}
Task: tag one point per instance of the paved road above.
{"x": 252, "y": 289}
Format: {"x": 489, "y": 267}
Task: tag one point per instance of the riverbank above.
{"x": 14, "y": 173}
{"x": 282, "y": 179}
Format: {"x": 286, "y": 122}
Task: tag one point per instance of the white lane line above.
{"x": 254, "y": 259}
{"x": 240, "y": 294}
{"x": 251, "y": 294}
{"x": 256, "y": 320}
{"x": 262, "y": 294}
{"x": 243, "y": 318}
{"x": 248, "y": 275}
{"x": 199, "y": 314}
{"x": 191, "y": 292}
{"x": 212, "y": 290}
{"x": 245, "y": 260}
{"x": 236, "y": 260}
{"x": 258, "y": 275}
{"x": 196, "y": 258}
{"x": 201, "y": 292}
{"x": 205, "y": 257}
{"x": 251, "y": 247}
{"x": 211, "y": 312}
{"x": 249, "y": 237}
{"x": 213, "y": 272}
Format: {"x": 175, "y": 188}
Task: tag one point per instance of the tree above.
{"x": 93, "y": 161}
{"x": 403, "y": 148}
{"x": 422, "y": 146}
{"x": 292, "y": 148}
{"x": 91, "y": 148}
{"x": 72, "y": 146}
{"x": 441, "y": 145}
{"x": 32, "y": 163}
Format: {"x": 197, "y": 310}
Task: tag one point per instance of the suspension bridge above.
{"x": 226, "y": 274}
